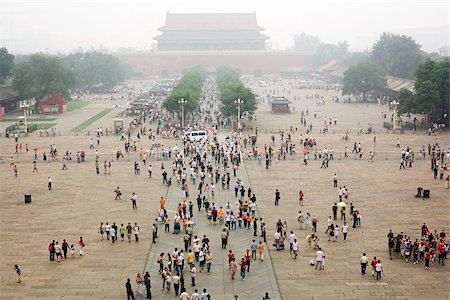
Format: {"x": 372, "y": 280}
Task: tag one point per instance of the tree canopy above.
{"x": 95, "y": 68}
{"x": 190, "y": 89}
{"x": 364, "y": 78}
{"x": 431, "y": 91}
{"x": 6, "y": 64}
{"x": 398, "y": 55}
{"x": 40, "y": 76}
{"x": 231, "y": 89}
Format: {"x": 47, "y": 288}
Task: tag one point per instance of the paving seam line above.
{"x": 151, "y": 244}
{"x": 269, "y": 264}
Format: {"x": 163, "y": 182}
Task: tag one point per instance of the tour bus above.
{"x": 196, "y": 136}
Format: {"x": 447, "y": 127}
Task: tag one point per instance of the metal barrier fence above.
{"x": 133, "y": 156}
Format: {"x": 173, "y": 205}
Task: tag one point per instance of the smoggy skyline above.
{"x": 62, "y": 26}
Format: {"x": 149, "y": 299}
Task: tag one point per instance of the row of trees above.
{"x": 231, "y": 89}
{"x": 40, "y": 75}
{"x": 190, "y": 89}
{"x": 397, "y": 55}
{"x": 431, "y": 91}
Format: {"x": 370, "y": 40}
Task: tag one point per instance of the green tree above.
{"x": 364, "y": 78}
{"x": 231, "y": 89}
{"x": 190, "y": 89}
{"x": 431, "y": 91}
{"x": 6, "y": 64}
{"x": 41, "y": 76}
{"x": 398, "y": 55}
{"x": 95, "y": 68}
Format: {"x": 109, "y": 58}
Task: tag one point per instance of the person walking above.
{"x": 176, "y": 283}
{"x": 18, "y": 274}
{"x": 277, "y": 197}
{"x": 154, "y": 233}
{"x": 345, "y": 230}
{"x": 81, "y": 245}
{"x": 51, "y": 249}
{"x": 49, "y": 183}
{"x": 209, "y": 259}
{"x": 148, "y": 285}
{"x": 261, "y": 247}
{"x": 118, "y": 193}
{"x": 58, "y": 251}
{"x": 136, "y": 232}
{"x": 314, "y": 222}
{"x": 224, "y": 237}
{"x": 243, "y": 267}
{"x": 378, "y": 269}
{"x": 193, "y": 272}
{"x": 133, "y": 201}
{"x": 130, "y": 294}
{"x": 65, "y": 248}
{"x": 233, "y": 268}
{"x": 184, "y": 296}
{"x": 295, "y": 248}
{"x": 364, "y": 261}
{"x": 139, "y": 284}
{"x": 319, "y": 259}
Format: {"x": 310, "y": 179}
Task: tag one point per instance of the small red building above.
{"x": 280, "y": 105}
{"x": 53, "y": 105}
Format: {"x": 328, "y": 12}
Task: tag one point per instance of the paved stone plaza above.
{"x": 81, "y": 199}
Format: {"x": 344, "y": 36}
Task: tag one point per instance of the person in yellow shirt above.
{"x": 190, "y": 258}
{"x": 220, "y": 215}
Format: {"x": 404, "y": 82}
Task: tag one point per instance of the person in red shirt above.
{"x": 243, "y": 265}
{"x": 248, "y": 259}
{"x": 427, "y": 259}
{"x": 230, "y": 257}
{"x": 300, "y": 197}
{"x": 373, "y": 263}
{"x": 441, "y": 251}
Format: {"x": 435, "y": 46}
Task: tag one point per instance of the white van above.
{"x": 196, "y": 136}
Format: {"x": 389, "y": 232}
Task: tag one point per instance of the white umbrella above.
{"x": 342, "y": 204}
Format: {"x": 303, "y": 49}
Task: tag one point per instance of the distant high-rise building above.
{"x": 211, "y": 32}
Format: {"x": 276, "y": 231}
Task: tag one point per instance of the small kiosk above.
{"x": 118, "y": 125}
{"x": 280, "y": 105}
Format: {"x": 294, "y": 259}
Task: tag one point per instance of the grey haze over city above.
{"x": 65, "y": 25}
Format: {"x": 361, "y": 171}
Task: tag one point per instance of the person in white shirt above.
{"x": 363, "y": 260}
{"x": 345, "y": 230}
{"x": 295, "y": 248}
{"x": 292, "y": 237}
{"x": 319, "y": 259}
{"x": 195, "y": 295}
{"x": 378, "y": 269}
{"x": 336, "y": 233}
{"x": 277, "y": 237}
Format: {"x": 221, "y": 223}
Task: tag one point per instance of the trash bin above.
{"x": 27, "y": 198}
{"x": 426, "y": 194}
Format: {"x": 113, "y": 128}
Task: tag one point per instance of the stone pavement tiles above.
{"x": 219, "y": 284}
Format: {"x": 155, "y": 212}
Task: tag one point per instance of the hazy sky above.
{"x": 62, "y": 25}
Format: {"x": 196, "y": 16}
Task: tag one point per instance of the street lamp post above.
{"x": 182, "y": 102}
{"x": 374, "y": 142}
{"x": 238, "y": 102}
{"x": 24, "y": 107}
{"x": 395, "y": 106}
